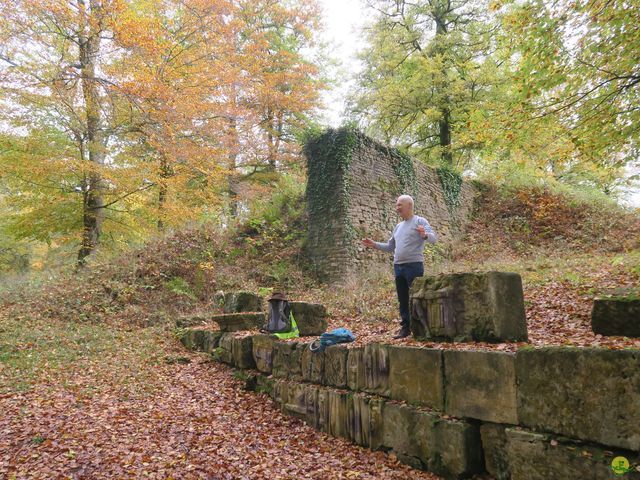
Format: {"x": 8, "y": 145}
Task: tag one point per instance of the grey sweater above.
{"x": 406, "y": 242}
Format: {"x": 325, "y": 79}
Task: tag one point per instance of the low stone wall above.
{"x": 552, "y": 413}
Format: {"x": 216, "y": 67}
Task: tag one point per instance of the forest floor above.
{"x": 86, "y": 401}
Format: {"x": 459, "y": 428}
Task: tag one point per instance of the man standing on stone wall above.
{"x": 407, "y": 243}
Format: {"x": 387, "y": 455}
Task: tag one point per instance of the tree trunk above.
{"x": 234, "y": 146}
{"x": 93, "y": 202}
{"x": 444, "y": 124}
{"x": 271, "y": 139}
{"x": 165, "y": 172}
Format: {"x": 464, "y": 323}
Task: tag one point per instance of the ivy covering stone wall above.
{"x": 353, "y": 183}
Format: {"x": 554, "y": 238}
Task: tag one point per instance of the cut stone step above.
{"x": 235, "y": 322}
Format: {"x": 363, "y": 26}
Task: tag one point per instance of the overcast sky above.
{"x": 343, "y": 19}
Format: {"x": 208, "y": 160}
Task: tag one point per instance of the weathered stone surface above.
{"x": 235, "y": 322}
{"x": 279, "y": 393}
{"x": 376, "y": 425}
{"x": 236, "y": 302}
{"x": 359, "y": 422}
{"x": 224, "y": 352}
{"x": 355, "y": 369}
{"x": 311, "y": 401}
{"x": 616, "y": 316}
{"x": 338, "y": 413}
{"x": 376, "y": 369}
{"x": 287, "y": 360}
{"x": 469, "y": 306}
{"x": 584, "y": 393}
{"x": 368, "y": 369}
{"x": 294, "y": 402}
{"x": 263, "y": 346}
{"x": 494, "y": 446}
{"x": 533, "y": 457}
{"x": 322, "y": 411}
{"x": 335, "y": 366}
{"x": 242, "y": 351}
{"x": 311, "y": 318}
{"x": 313, "y": 366}
{"x": 415, "y": 375}
{"x": 425, "y": 440}
{"x": 190, "y": 321}
{"x": 481, "y": 385}
{"x": 201, "y": 339}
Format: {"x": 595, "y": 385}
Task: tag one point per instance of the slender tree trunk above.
{"x": 444, "y": 124}
{"x": 232, "y": 165}
{"x": 271, "y": 140}
{"x": 93, "y": 202}
{"x": 165, "y": 172}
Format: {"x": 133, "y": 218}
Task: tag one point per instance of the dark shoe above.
{"x": 404, "y": 332}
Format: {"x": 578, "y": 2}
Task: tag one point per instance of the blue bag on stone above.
{"x": 338, "y": 335}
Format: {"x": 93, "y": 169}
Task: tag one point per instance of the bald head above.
{"x": 404, "y": 206}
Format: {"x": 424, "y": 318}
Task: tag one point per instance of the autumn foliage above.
{"x": 123, "y": 117}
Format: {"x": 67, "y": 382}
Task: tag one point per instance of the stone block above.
{"x": 311, "y": 401}
{"x": 338, "y": 425}
{"x": 368, "y": 369}
{"x": 584, "y": 393}
{"x": 287, "y": 360}
{"x": 616, "y": 316}
{"x": 190, "y": 321}
{"x": 280, "y": 392}
{"x": 201, "y": 339}
{"x": 311, "y": 318}
{"x": 359, "y": 419}
{"x": 294, "y": 402}
{"x": 469, "y": 307}
{"x": 335, "y": 366}
{"x": 355, "y": 369}
{"x": 242, "y": 352}
{"x": 235, "y": 322}
{"x": 322, "y": 410}
{"x": 312, "y": 365}
{"x": 416, "y": 375}
{"x": 376, "y": 425}
{"x": 494, "y": 446}
{"x": 533, "y": 456}
{"x": 224, "y": 352}
{"x": 236, "y": 302}
{"x": 428, "y": 441}
{"x": 481, "y": 385}
{"x": 263, "y": 346}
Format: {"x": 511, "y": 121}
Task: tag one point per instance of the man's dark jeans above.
{"x": 405, "y": 273}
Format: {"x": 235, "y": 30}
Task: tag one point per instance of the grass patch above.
{"x": 34, "y": 351}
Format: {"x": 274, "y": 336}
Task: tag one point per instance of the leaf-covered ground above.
{"x": 90, "y": 402}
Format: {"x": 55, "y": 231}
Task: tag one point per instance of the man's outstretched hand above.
{"x": 367, "y": 242}
{"x": 421, "y": 231}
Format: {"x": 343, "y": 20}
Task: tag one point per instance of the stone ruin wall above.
{"x": 372, "y": 186}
